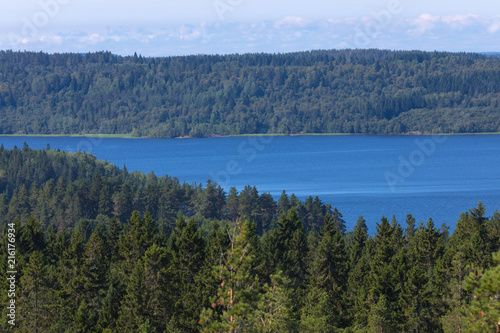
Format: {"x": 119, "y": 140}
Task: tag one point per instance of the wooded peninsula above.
{"x": 99, "y": 249}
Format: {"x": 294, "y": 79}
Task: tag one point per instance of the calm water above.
{"x": 427, "y": 176}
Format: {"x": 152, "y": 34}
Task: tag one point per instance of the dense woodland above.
{"x": 336, "y": 91}
{"x": 103, "y": 250}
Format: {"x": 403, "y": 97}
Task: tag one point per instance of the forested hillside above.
{"x": 99, "y": 249}
{"x": 346, "y": 91}
{"x": 62, "y": 189}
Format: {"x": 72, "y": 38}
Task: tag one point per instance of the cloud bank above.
{"x": 291, "y": 33}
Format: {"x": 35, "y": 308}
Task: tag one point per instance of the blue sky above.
{"x": 166, "y": 27}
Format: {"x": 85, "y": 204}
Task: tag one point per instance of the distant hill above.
{"x": 341, "y": 91}
{"x": 494, "y": 54}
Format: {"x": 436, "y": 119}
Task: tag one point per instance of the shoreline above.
{"x": 129, "y": 136}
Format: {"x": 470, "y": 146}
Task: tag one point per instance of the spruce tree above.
{"x": 35, "y": 308}
{"x": 93, "y": 273}
{"x": 186, "y": 250}
{"x": 70, "y": 279}
{"x": 329, "y": 271}
{"x": 155, "y": 290}
{"x": 468, "y": 248}
{"x": 133, "y": 307}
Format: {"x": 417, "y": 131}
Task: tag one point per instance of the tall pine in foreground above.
{"x": 482, "y": 314}
{"x": 238, "y": 293}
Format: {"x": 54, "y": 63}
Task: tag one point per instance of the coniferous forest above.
{"x": 101, "y": 249}
{"x": 332, "y": 91}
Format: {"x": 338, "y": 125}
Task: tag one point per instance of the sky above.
{"x": 169, "y": 28}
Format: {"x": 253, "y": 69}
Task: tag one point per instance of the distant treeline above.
{"x": 337, "y": 91}
{"x": 98, "y": 249}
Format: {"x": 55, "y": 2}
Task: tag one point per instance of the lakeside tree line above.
{"x": 92, "y": 258}
{"x": 332, "y": 91}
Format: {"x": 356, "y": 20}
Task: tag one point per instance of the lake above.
{"x": 428, "y": 176}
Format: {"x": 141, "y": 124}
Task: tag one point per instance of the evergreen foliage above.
{"x": 223, "y": 266}
{"x": 327, "y": 91}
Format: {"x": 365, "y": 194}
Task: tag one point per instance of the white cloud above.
{"x": 293, "y": 33}
{"x": 92, "y": 39}
{"x": 291, "y": 21}
{"x": 461, "y": 20}
{"x": 494, "y": 26}
{"x": 423, "y": 24}
{"x": 52, "y": 39}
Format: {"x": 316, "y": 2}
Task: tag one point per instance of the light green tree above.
{"x": 483, "y": 311}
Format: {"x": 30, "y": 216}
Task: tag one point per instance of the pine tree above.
{"x": 238, "y": 292}
{"x": 483, "y": 312}
{"x": 273, "y": 313}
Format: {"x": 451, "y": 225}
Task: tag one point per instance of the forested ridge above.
{"x": 99, "y": 249}
{"x": 336, "y": 91}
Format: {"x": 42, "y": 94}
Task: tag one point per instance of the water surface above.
{"x": 427, "y": 176}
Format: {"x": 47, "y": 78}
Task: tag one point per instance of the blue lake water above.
{"x": 437, "y": 177}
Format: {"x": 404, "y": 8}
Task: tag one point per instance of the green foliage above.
{"x": 273, "y": 311}
{"x": 83, "y": 273}
{"x": 316, "y": 316}
{"x": 483, "y": 311}
{"x": 75, "y": 189}
{"x": 237, "y": 294}
{"x": 330, "y": 91}
{"x": 35, "y": 307}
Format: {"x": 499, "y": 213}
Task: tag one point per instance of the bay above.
{"x": 373, "y": 176}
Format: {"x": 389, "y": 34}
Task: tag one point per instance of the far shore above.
{"x": 129, "y": 136}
